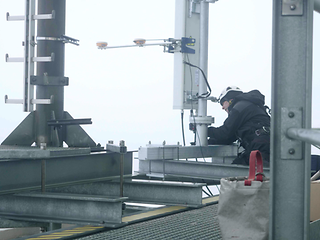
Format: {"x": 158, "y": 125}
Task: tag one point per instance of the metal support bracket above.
{"x": 181, "y": 45}
{"x": 290, "y": 148}
{"x": 63, "y": 122}
{"x": 63, "y": 38}
{"x": 292, "y": 7}
{"x": 194, "y": 6}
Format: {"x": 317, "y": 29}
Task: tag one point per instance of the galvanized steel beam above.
{"x": 157, "y": 192}
{"x": 6, "y": 223}
{"x": 12, "y": 151}
{"x": 291, "y": 108}
{"x": 192, "y": 169}
{"x": 156, "y": 152}
{"x": 25, "y": 174}
{"x": 317, "y": 5}
{"x": 62, "y": 208}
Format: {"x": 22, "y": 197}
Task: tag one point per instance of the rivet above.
{"x": 293, "y": 7}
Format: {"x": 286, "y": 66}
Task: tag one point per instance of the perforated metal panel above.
{"x": 195, "y": 224}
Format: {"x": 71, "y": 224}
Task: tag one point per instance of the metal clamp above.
{"x": 181, "y": 45}
{"x": 201, "y": 120}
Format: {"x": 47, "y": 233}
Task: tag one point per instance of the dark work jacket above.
{"x": 246, "y": 114}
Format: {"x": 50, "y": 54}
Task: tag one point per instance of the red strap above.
{"x": 255, "y": 168}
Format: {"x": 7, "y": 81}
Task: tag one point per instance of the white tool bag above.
{"x": 243, "y": 210}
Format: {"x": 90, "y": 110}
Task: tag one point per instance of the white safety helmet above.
{"x": 229, "y": 93}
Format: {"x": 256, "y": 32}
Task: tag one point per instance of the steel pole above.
{"x": 291, "y": 108}
{"x": 50, "y": 28}
{"x": 202, "y": 133}
{"x": 317, "y": 5}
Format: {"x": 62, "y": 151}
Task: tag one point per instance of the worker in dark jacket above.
{"x": 248, "y": 122}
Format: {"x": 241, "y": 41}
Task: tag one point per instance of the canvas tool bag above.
{"x": 243, "y": 210}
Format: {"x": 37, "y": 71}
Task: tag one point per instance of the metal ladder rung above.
{"x": 34, "y": 59}
{"x": 44, "y": 16}
{"x": 34, "y": 17}
{"x": 42, "y": 101}
{"x": 33, "y": 101}
{"x": 44, "y": 59}
{"x": 15, "y": 18}
{"x": 14, "y": 101}
{"x": 14, "y": 59}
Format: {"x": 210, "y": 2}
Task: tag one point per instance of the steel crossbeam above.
{"x": 25, "y": 174}
{"x": 37, "y": 153}
{"x": 156, "y": 152}
{"x": 57, "y": 207}
{"x": 156, "y": 192}
{"x": 193, "y": 169}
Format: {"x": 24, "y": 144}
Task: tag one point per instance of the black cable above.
{"x": 183, "y": 137}
{"x": 182, "y": 126}
{"x": 207, "y": 94}
{"x": 194, "y": 120}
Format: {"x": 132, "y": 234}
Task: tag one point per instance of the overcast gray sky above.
{"x": 128, "y": 92}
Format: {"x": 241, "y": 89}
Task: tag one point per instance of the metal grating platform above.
{"x": 195, "y": 224}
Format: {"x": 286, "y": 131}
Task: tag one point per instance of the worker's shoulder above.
{"x": 242, "y": 105}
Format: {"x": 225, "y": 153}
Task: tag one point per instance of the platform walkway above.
{"x": 193, "y": 224}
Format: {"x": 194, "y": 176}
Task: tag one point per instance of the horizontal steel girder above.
{"x": 10, "y": 152}
{"x": 25, "y": 174}
{"x": 201, "y": 170}
{"x": 159, "y": 192}
{"x": 154, "y": 152}
{"x": 57, "y": 207}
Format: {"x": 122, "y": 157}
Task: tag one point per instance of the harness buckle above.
{"x": 266, "y": 129}
{"x": 263, "y": 130}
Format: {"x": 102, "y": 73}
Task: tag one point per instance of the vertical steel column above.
{"x": 291, "y": 107}
{"x": 317, "y": 5}
{"x": 50, "y": 28}
{"x": 202, "y": 129}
